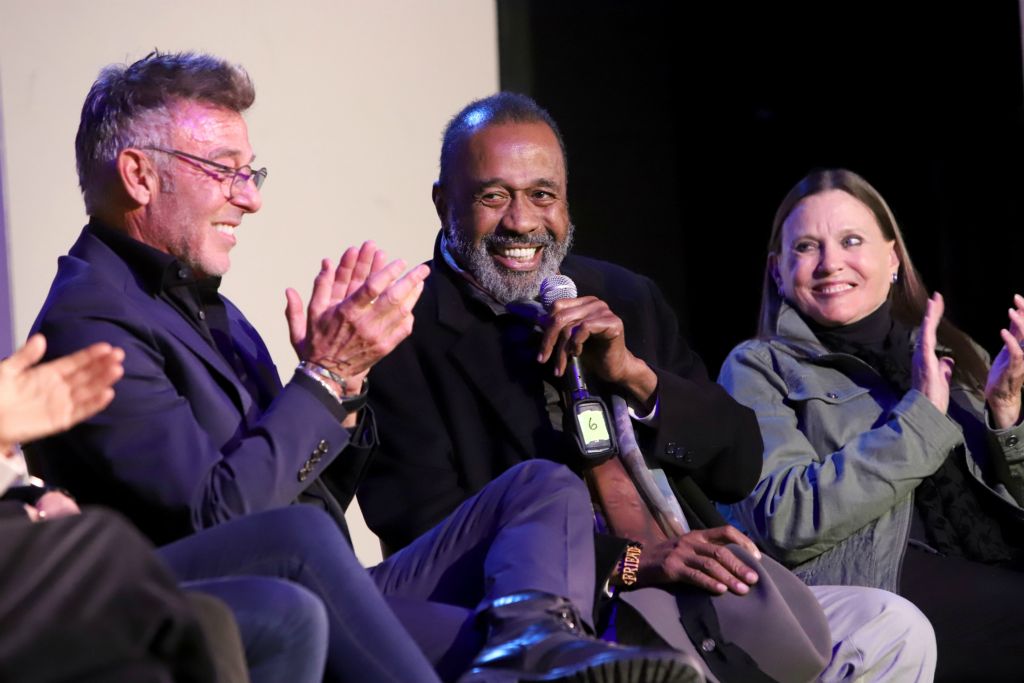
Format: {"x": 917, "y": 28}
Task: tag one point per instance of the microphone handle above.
{"x": 577, "y": 385}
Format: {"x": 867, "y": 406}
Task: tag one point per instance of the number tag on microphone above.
{"x": 594, "y": 434}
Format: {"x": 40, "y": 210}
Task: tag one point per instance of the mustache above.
{"x": 542, "y": 238}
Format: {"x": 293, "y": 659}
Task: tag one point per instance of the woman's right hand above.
{"x": 931, "y": 373}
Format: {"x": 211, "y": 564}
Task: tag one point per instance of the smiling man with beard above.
{"x": 475, "y": 390}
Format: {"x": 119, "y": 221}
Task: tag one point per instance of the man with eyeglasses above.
{"x": 201, "y": 432}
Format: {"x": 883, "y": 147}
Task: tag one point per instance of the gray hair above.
{"x": 130, "y": 106}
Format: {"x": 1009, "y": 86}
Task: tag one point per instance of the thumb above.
{"x": 295, "y": 314}
{"x": 28, "y": 355}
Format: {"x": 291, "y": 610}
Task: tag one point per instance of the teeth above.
{"x": 833, "y": 289}
{"x": 225, "y": 229}
{"x": 519, "y": 252}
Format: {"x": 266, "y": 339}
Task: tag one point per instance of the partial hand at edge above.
{"x": 1006, "y": 376}
{"x": 40, "y": 399}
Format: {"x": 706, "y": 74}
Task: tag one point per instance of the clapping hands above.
{"x": 1006, "y": 376}
{"x": 357, "y": 314}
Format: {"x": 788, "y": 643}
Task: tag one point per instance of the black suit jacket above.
{"x": 461, "y": 401}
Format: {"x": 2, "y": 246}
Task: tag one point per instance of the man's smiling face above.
{"x": 505, "y": 213}
{"x": 193, "y": 217}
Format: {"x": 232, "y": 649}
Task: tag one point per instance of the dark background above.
{"x": 687, "y": 125}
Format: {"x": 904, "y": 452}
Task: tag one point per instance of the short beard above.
{"x": 503, "y": 284}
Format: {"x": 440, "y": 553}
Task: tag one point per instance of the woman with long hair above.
{"x": 894, "y": 453}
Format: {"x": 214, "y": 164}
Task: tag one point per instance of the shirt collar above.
{"x": 156, "y": 270}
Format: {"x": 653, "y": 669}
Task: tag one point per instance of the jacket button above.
{"x": 708, "y": 645}
{"x": 322, "y": 446}
{"x": 303, "y": 475}
{"x": 1011, "y": 440}
{"x": 832, "y": 395}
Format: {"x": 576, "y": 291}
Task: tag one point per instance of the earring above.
{"x": 782, "y": 292}
{"x": 895, "y": 277}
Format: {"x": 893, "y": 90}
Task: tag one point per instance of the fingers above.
{"x": 28, "y": 355}
{"x": 1016, "y": 324}
{"x": 377, "y": 283}
{"x": 85, "y": 359}
{"x": 730, "y": 534}
{"x": 352, "y": 335}
{"x": 572, "y": 322}
{"x": 369, "y": 260}
{"x": 391, "y": 313}
{"x": 295, "y": 314}
{"x": 930, "y": 324}
{"x": 343, "y": 275}
{"x": 90, "y": 383}
{"x": 406, "y": 290}
{"x": 320, "y": 299}
{"x": 709, "y": 565}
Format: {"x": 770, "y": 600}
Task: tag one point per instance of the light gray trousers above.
{"x": 800, "y": 633}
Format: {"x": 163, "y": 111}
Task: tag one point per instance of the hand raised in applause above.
{"x": 587, "y": 327}
{"x": 39, "y": 399}
{"x": 930, "y": 373}
{"x": 357, "y": 313}
{"x": 1006, "y": 376}
{"x": 700, "y": 558}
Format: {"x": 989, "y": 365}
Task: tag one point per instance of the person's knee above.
{"x": 889, "y": 621}
{"x": 906, "y": 616}
{"x": 300, "y": 528}
{"x": 540, "y": 475}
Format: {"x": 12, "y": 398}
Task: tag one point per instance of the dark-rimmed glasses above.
{"x": 232, "y": 179}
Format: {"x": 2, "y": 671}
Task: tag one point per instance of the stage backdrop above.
{"x": 351, "y": 100}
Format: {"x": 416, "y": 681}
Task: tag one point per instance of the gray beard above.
{"x": 503, "y": 284}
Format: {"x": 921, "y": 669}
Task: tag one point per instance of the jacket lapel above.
{"x": 477, "y": 353}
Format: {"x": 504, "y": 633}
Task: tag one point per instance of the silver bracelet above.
{"x": 326, "y": 374}
{"x": 315, "y": 376}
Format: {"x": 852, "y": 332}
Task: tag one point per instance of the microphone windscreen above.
{"x": 555, "y": 287}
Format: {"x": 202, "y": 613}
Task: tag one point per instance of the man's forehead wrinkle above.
{"x": 198, "y": 126}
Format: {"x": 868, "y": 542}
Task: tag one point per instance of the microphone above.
{"x": 554, "y": 288}
{"x": 591, "y": 423}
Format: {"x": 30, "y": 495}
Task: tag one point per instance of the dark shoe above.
{"x": 535, "y": 636}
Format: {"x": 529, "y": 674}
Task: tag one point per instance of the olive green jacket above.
{"x": 844, "y": 453}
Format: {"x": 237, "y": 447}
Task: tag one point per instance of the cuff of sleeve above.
{"x": 322, "y": 395}
{"x": 939, "y": 432}
{"x": 1009, "y": 440}
{"x": 651, "y": 418}
{"x": 365, "y": 433}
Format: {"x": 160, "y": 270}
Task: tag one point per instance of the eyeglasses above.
{"x": 233, "y": 180}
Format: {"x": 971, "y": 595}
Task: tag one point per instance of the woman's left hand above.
{"x": 1006, "y": 377}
